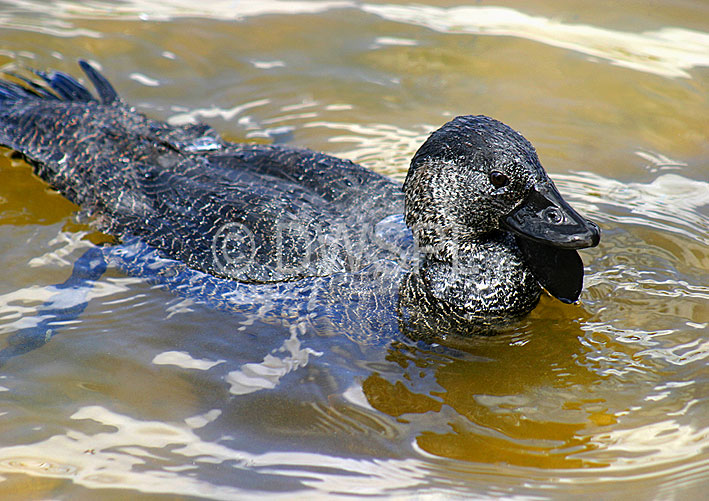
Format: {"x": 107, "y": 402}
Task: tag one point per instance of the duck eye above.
{"x": 498, "y": 179}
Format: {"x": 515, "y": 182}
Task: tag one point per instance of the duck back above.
{"x": 253, "y": 213}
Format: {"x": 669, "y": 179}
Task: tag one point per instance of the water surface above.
{"x": 150, "y": 395}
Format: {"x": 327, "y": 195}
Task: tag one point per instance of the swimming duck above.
{"x": 483, "y": 229}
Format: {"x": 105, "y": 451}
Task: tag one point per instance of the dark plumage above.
{"x": 489, "y": 225}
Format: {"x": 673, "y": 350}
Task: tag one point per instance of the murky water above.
{"x": 150, "y": 395}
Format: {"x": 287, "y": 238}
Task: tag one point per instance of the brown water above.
{"x": 607, "y": 399}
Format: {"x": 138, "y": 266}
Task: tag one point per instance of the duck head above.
{"x": 475, "y": 179}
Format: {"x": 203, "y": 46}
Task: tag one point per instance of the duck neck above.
{"x": 456, "y": 247}
{"x": 482, "y": 276}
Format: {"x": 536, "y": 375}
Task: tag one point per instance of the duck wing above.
{"x": 253, "y": 213}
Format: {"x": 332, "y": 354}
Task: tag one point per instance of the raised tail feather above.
{"x": 59, "y": 85}
{"x": 24, "y": 101}
{"x": 73, "y": 135}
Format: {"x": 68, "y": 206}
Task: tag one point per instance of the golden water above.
{"x": 606, "y": 399}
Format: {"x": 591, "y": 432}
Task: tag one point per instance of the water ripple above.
{"x": 669, "y": 51}
{"x": 668, "y": 203}
{"x": 134, "y": 454}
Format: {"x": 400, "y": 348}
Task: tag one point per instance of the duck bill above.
{"x": 546, "y": 218}
{"x": 548, "y": 231}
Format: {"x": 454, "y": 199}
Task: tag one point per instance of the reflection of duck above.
{"x": 489, "y": 224}
{"x": 503, "y": 400}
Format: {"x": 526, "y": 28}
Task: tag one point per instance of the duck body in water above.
{"x": 483, "y": 227}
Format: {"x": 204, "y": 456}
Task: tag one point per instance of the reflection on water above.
{"x": 668, "y": 52}
{"x": 149, "y": 393}
{"x": 145, "y": 456}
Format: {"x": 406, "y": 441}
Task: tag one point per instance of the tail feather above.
{"x": 33, "y": 86}
{"x": 40, "y": 114}
{"x": 58, "y": 85}
{"x": 104, "y": 88}
{"x": 13, "y": 92}
{"x": 66, "y": 87}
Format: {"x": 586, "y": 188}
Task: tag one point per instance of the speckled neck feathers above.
{"x": 454, "y": 212}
